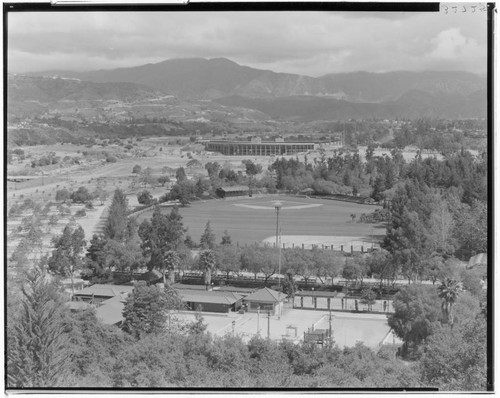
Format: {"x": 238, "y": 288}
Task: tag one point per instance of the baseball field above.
{"x": 302, "y": 221}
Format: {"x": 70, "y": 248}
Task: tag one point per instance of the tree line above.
{"x": 346, "y": 173}
{"x": 417, "y": 246}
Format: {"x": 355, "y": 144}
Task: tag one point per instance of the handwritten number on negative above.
{"x": 464, "y": 8}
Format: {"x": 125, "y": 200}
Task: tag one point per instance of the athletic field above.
{"x": 302, "y": 220}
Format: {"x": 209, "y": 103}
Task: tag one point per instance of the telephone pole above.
{"x": 268, "y": 324}
{"x": 277, "y": 206}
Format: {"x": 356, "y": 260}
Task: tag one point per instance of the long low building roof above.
{"x": 235, "y": 188}
{"x": 104, "y": 290}
{"x": 207, "y": 296}
{"x": 226, "y": 288}
{"x": 258, "y": 143}
{"x": 196, "y": 298}
{"x": 318, "y": 293}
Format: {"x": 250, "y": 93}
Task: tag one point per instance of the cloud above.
{"x": 311, "y": 43}
{"x": 450, "y": 44}
{"x": 451, "y": 50}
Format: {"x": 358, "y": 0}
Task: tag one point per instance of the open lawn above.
{"x": 250, "y": 220}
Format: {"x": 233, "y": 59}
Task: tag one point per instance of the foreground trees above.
{"x": 147, "y": 309}
{"x": 67, "y": 257}
{"x": 116, "y": 223}
{"x": 36, "y": 343}
{"x": 49, "y": 346}
{"x": 164, "y": 233}
{"x": 454, "y": 359}
{"x": 417, "y": 311}
{"x": 422, "y": 312}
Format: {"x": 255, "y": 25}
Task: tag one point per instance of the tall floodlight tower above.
{"x": 277, "y": 206}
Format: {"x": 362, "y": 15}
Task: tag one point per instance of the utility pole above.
{"x": 279, "y": 262}
{"x": 268, "y": 324}
{"x": 258, "y": 319}
{"x": 280, "y": 304}
{"x": 277, "y": 206}
{"x": 330, "y": 328}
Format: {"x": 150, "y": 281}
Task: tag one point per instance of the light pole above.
{"x": 277, "y": 206}
{"x": 330, "y": 328}
{"x": 258, "y": 319}
{"x": 268, "y": 324}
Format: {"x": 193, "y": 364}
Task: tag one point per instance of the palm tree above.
{"x": 171, "y": 261}
{"x": 207, "y": 263}
{"x": 448, "y": 292}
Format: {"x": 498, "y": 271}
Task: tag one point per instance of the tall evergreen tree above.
{"x": 226, "y": 238}
{"x": 180, "y": 175}
{"x": 409, "y": 238}
{"x": 378, "y": 188}
{"x": 36, "y": 354}
{"x": 95, "y": 259}
{"x": 116, "y": 223}
{"x": 207, "y": 240}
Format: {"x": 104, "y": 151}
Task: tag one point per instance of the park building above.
{"x": 257, "y": 147}
{"x": 210, "y": 300}
{"x": 237, "y": 190}
{"x": 265, "y": 300}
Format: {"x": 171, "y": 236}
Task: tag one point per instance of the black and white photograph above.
{"x": 248, "y": 197}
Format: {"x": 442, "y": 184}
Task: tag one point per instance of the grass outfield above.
{"x": 250, "y": 220}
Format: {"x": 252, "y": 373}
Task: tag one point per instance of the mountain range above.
{"x": 400, "y": 94}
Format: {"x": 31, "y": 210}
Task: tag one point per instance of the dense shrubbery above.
{"x": 80, "y": 213}
{"x": 81, "y": 195}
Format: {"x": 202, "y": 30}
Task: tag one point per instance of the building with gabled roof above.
{"x": 110, "y": 312}
{"x": 98, "y": 293}
{"x": 108, "y": 301}
{"x": 210, "y": 300}
{"x": 236, "y": 190}
{"x": 265, "y": 300}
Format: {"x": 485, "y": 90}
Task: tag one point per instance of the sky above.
{"x": 307, "y": 43}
